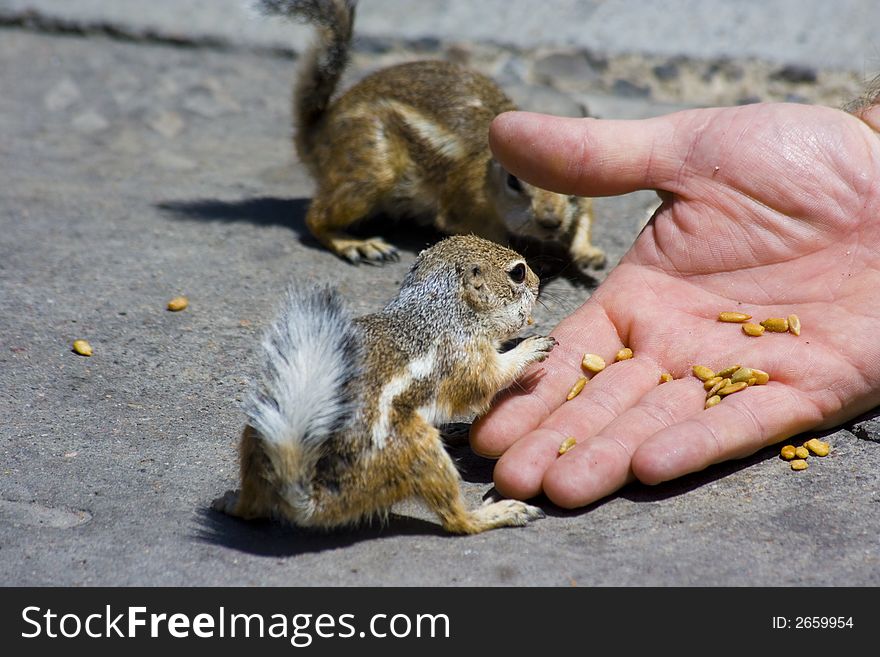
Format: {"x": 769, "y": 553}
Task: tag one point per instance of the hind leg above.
{"x": 334, "y": 210}
{"x": 256, "y": 498}
{"x": 437, "y": 482}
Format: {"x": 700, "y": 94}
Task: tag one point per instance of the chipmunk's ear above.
{"x": 474, "y": 283}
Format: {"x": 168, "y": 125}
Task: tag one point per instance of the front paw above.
{"x": 537, "y": 347}
{"x": 589, "y": 257}
{"x": 227, "y": 503}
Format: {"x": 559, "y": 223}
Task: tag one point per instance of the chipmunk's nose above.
{"x": 548, "y": 218}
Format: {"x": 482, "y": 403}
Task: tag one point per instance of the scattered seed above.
{"x": 624, "y": 354}
{"x": 178, "y": 303}
{"x": 714, "y": 389}
{"x": 794, "y": 324}
{"x": 788, "y": 452}
{"x": 666, "y": 377}
{"x": 576, "y": 388}
{"x": 776, "y": 324}
{"x": 593, "y": 363}
{"x": 753, "y": 330}
{"x": 566, "y": 445}
{"x": 82, "y": 347}
{"x": 733, "y": 317}
{"x": 799, "y": 464}
{"x": 818, "y": 447}
{"x": 761, "y": 377}
{"x": 727, "y": 371}
{"x": 709, "y": 383}
{"x": 702, "y": 372}
{"x": 732, "y": 388}
{"x": 712, "y": 401}
{"x": 802, "y": 452}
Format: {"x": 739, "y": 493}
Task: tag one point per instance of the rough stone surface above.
{"x": 134, "y": 173}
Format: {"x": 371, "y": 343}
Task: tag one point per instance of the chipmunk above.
{"x": 412, "y": 141}
{"x": 343, "y": 424}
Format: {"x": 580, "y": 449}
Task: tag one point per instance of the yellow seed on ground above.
{"x": 714, "y": 389}
{"x": 593, "y": 363}
{"x": 576, "y": 388}
{"x": 761, "y": 377}
{"x": 794, "y": 324}
{"x": 753, "y": 330}
{"x": 787, "y": 452}
{"x": 666, "y": 377}
{"x": 799, "y": 464}
{"x": 742, "y": 374}
{"x": 566, "y": 445}
{"x": 727, "y": 371}
{"x": 82, "y": 347}
{"x": 624, "y": 354}
{"x": 818, "y": 447}
{"x": 708, "y": 383}
{"x": 712, "y": 401}
{"x": 702, "y": 372}
{"x": 802, "y": 452}
{"x": 732, "y": 388}
{"x": 733, "y": 317}
{"x": 776, "y": 324}
{"x": 178, "y": 303}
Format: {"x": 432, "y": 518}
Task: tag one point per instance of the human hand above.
{"x": 767, "y": 209}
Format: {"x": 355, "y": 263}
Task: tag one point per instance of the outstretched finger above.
{"x": 590, "y": 157}
{"x": 520, "y": 472}
{"x": 739, "y": 426}
{"x": 600, "y": 465}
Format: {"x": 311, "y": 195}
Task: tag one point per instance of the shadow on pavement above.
{"x": 274, "y": 539}
{"x": 291, "y": 213}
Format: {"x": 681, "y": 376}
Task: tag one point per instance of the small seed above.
{"x": 742, "y": 374}
{"x": 732, "y": 388}
{"x": 576, "y": 388}
{"x": 799, "y": 464}
{"x": 802, "y": 452}
{"x": 530, "y": 321}
{"x": 727, "y": 371}
{"x": 712, "y": 401}
{"x": 818, "y": 447}
{"x": 776, "y": 324}
{"x": 733, "y": 317}
{"x": 566, "y": 445}
{"x": 708, "y": 383}
{"x": 666, "y": 377}
{"x": 714, "y": 389}
{"x": 794, "y": 324}
{"x": 82, "y": 347}
{"x": 624, "y": 354}
{"x": 178, "y": 303}
{"x": 787, "y": 452}
{"x": 751, "y": 381}
{"x": 593, "y": 363}
{"x": 702, "y": 372}
{"x": 761, "y": 377}
{"x": 753, "y": 330}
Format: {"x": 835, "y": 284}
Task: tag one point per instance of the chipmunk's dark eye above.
{"x": 518, "y": 273}
{"x": 514, "y": 183}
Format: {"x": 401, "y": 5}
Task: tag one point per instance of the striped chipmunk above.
{"x": 412, "y": 141}
{"x": 343, "y": 423}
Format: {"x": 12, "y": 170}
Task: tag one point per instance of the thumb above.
{"x": 589, "y": 157}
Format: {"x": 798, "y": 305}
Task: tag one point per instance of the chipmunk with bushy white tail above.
{"x": 412, "y": 141}
{"x": 344, "y": 421}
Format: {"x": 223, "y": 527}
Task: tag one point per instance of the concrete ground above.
{"x": 138, "y": 167}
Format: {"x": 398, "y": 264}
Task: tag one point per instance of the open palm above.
{"x": 768, "y": 210}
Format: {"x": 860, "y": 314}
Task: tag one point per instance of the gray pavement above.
{"x": 135, "y": 170}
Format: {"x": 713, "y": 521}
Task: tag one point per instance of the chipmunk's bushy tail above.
{"x": 307, "y": 392}
{"x": 325, "y": 61}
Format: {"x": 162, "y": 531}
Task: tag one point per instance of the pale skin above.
{"x": 769, "y": 209}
